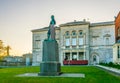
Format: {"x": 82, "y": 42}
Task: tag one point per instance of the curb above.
{"x": 110, "y": 69}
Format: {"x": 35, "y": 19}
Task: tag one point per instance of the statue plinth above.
{"x": 50, "y": 65}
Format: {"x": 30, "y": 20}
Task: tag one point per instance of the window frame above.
{"x": 82, "y": 39}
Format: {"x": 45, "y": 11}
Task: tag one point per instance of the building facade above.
{"x": 117, "y": 28}
{"x": 27, "y": 59}
{"x": 116, "y": 47}
{"x": 78, "y": 41}
{"x": 116, "y": 53}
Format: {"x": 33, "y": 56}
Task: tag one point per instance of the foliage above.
{"x": 111, "y": 64}
{"x": 92, "y": 75}
{"x": 4, "y": 50}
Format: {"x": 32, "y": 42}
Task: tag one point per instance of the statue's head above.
{"x": 52, "y": 16}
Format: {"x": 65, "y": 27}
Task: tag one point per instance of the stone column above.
{"x": 63, "y": 55}
{"x": 70, "y": 42}
{"x": 77, "y": 41}
{"x": 77, "y": 55}
{"x": 70, "y": 55}
{"x": 84, "y": 56}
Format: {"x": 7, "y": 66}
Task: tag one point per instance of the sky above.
{"x": 19, "y": 17}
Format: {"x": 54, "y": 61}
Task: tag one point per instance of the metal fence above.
{"x": 12, "y": 63}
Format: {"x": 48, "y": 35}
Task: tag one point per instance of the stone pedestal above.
{"x": 50, "y": 65}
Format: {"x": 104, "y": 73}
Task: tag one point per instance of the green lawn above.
{"x": 92, "y": 75}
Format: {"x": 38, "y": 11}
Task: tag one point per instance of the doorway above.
{"x": 95, "y": 59}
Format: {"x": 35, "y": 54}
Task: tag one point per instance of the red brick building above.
{"x": 117, "y": 28}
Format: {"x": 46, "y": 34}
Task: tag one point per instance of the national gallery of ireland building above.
{"x": 80, "y": 42}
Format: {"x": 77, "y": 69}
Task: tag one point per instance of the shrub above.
{"x": 111, "y": 64}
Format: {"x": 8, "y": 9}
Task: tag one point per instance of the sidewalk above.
{"x": 110, "y": 69}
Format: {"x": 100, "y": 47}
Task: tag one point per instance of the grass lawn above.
{"x": 92, "y": 75}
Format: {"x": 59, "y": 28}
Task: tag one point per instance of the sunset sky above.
{"x": 19, "y": 17}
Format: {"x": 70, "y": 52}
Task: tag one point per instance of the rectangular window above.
{"x": 67, "y": 42}
{"x": 67, "y": 56}
{"x": 118, "y": 52}
{"x": 81, "y": 41}
{"x": 36, "y": 41}
{"x": 74, "y": 42}
{"x": 81, "y": 56}
{"x": 74, "y": 56}
{"x": 118, "y": 31}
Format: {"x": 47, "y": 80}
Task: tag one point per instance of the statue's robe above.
{"x": 52, "y": 31}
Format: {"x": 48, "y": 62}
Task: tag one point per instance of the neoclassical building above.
{"x": 80, "y": 42}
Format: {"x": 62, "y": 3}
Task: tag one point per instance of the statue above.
{"x": 50, "y": 65}
{"x": 51, "y": 31}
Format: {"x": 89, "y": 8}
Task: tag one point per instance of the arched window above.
{"x": 73, "y": 33}
{"x": 107, "y": 41}
{"x": 80, "y": 32}
{"x": 94, "y": 58}
{"x": 74, "y": 40}
{"x": 67, "y": 33}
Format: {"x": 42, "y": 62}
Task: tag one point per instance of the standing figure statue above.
{"x": 51, "y": 31}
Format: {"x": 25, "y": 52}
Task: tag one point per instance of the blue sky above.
{"x": 19, "y": 17}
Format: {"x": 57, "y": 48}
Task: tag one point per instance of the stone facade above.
{"x": 117, "y": 28}
{"x": 102, "y": 39}
{"x": 79, "y": 40}
{"x": 116, "y": 53}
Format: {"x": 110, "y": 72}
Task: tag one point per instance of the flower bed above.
{"x": 75, "y": 62}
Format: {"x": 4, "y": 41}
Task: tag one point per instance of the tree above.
{"x": 8, "y": 50}
{"x": 4, "y": 50}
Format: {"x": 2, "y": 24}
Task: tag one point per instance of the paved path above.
{"x": 73, "y": 75}
{"x": 110, "y": 69}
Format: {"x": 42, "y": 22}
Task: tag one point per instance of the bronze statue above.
{"x": 51, "y": 31}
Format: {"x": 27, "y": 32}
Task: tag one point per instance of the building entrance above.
{"x": 95, "y": 59}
